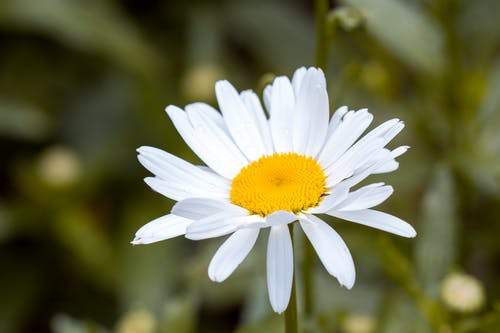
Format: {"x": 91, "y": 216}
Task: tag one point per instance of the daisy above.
{"x": 264, "y": 171}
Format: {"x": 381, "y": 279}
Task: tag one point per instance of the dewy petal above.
{"x": 162, "y": 228}
{"x": 199, "y": 208}
{"x": 331, "y": 249}
{"x": 375, "y": 219}
{"x": 214, "y": 147}
{"x": 241, "y": 122}
{"x": 279, "y": 267}
{"x": 231, "y": 254}
{"x": 252, "y": 103}
{"x": 180, "y": 178}
{"x": 347, "y": 132}
{"x": 366, "y": 197}
{"x": 311, "y": 114}
{"x": 282, "y": 110}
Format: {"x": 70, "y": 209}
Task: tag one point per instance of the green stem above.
{"x": 291, "y": 310}
{"x": 321, "y": 12}
{"x": 307, "y": 269}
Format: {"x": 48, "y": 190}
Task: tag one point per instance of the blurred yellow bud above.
{"x": 462, "y": 293}
{"x": 59, "y": 166}
{"x": 137, "y": 321}
{"x": 199, "y": 82}
{"x": 358, "y": 323}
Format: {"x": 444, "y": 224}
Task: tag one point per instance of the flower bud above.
{"x": 198, "y": 82}
{"x": 137, "y": 321}
{"x": 59, "y": 166}
{"x": 358, "y": 323}
{"x": 462, "y": 293}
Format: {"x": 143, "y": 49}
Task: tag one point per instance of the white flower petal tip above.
{"x": 378, "y": 220}
{"x": 399, "y": 151}
{"x": 164, "y": 227}
{"x": 412, "y": 233}
{"x": 137, "y": 241}
{"x": 331, "y": 249}
{"x": 231, "y": 254}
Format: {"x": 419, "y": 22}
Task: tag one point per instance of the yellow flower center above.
{"x": 290, "y": 182}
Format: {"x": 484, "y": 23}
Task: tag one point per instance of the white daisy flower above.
{"x": 266, "y": 171}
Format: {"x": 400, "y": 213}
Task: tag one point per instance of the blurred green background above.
{"x": 83, "y": 83}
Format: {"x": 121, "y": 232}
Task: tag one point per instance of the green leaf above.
{"x": 405, "y": 30}
{"x": 437, "y": 234}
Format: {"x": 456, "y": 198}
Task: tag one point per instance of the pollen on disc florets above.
{"x": 282, "y": 181}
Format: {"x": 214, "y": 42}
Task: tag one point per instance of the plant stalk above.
{"x": 291, "y": 310}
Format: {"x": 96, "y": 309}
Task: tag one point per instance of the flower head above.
{"x": 269, "y": 170}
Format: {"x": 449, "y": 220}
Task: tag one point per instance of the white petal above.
{"x": 366, "y": 197}
{"x": 172, "y": 190}
{"x": 336, "y": 120}
{"x": 215, "y": 225}
{"x": 297, "y": 79}
{"x": 337, "y": 195}
{"x": 179, "y": 174}
{"x": 231, "y": 254}
{"x": 378, "y": 220}
{"x": 382, "y": 129}
{"x": 202, "y": 112}
{"x": 363, "y": 172}
{"x": 279, "y": 267}
{"x": 162, "y": 228}
{"x": 348, "y": 131}
{"x": 252, "y": 103}
{"x": 280, "y": 217}
{"x": 267, "y": 98}
{"x": 213, "y": 147}
{"x": 389, "y": 166}
{"x": 382, "y": 161}
{"x": 311, "y": 114}
{"x": 199, "y": 208}
{"x": 394, "y": 131}
{"x": 399, "y": 151}
{"x": 241, "y": 122}
{"x": 331, "y": 249}
{"x": 357, "y": 155}
{"x": 282, "y": 110}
